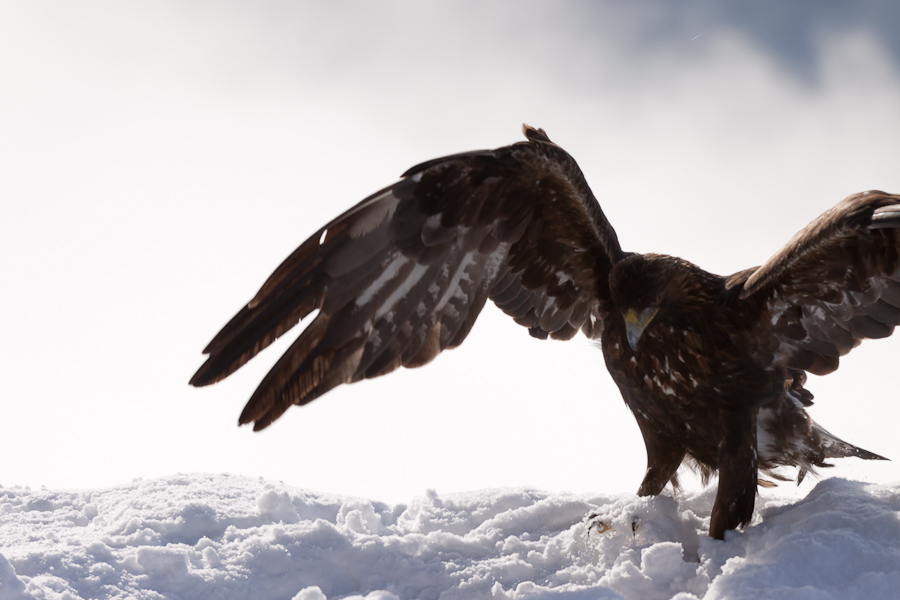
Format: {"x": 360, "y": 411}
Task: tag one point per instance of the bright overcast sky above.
{"x": 159, "y": 159}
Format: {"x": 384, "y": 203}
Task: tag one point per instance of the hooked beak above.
{"x": 635, "y": 323}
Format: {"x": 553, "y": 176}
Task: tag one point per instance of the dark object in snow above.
{"x": 712, "y": 367}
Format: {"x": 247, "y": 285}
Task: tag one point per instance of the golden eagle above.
{"x": 712, "y": 367}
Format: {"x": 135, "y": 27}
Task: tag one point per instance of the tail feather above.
{"x": 835, "y": 447}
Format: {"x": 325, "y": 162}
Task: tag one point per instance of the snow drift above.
{"x": 220, "y": 536}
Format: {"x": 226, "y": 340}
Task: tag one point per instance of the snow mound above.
{"x": 220, "y": 536}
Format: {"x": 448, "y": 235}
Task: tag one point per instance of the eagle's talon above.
{"x": 600, "y": 526}
{"x": 594, "y": 521}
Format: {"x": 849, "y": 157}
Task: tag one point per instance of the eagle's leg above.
{"x": 737, "y": 474}
{"x": 664, "y": 456}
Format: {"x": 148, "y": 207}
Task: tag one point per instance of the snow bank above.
{"x": 220, "y": 536}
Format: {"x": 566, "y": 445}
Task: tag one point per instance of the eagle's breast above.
{"x": 682, "y": 375}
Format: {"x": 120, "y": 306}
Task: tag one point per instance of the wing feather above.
{"x": 404, "y": 274}
{"x": 834, "y": 284}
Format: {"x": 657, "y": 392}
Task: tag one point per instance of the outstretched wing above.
{"x": 404, "y": 274}
{"x": 834, "y": 284}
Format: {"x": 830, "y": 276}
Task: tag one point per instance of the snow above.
{"x": 222, "y": 536}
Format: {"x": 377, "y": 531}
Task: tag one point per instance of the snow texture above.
{"x": 220, "y": 536}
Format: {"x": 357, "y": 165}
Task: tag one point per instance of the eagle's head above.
{"x": 648, "y": 287}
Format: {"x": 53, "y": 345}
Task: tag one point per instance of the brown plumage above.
{"x": 712, "y": 367}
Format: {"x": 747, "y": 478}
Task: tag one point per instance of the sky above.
{"x": 158, "y": 160}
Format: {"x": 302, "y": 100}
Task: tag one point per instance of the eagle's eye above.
{"x": 657, "y": 301}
